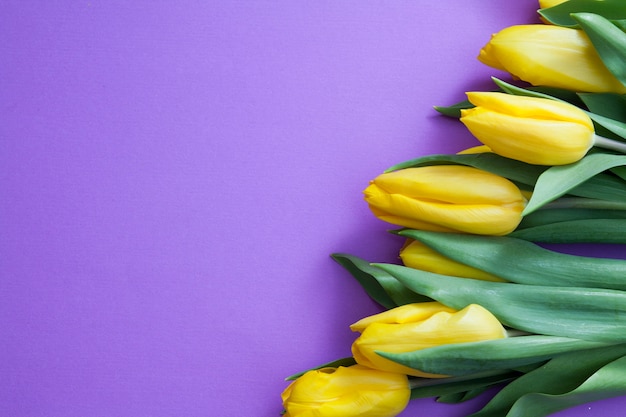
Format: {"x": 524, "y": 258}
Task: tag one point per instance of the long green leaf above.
{"x": 559, "y": 180}
{"x": 435, "y": 387}
{"x": 576, "y": 231}
{"x": 561, "y": 14}
{"x": 524, "y": 262}
{"x": 556, "y": 215}
{"x": 608, "y": 40}
{"x": 616, "y": 127}
{"x": 455, "y": 109}
{"x": 620, "y": 172}
{"x": 516, "y": 171}
{"x": 602, "y": 186}
{"x": 555, "y": 311}
{"x": 560, "y": 375}
{"x": 607, "y": 382}
{"x": 460, "y": 397}
{"x": 468, "y": 358}
{"x": 608, "y": 105}
{"x": 380, "y": 286}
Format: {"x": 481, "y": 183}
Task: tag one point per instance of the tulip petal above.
{"x": 554, "y": 56}
{"x": 345, "y": 392}
{"x": 446, "y": 198}
{"x": 530, "y": 107}
{"x": 472, "y": 323}
{"x": 404, "y": 314}
{"x": 530, "y": 129}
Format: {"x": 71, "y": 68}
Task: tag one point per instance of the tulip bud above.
{"x": 544, "y": 4}
{"x": 346, "y": 392}
{"x": 419, "y": 326}
{"x": 416, "y": 255}
{"x": 552, "y": 56}
{"x": 475, "y": 150}
{"x": 446, "y": 198}
{"x": 533, "y": 130}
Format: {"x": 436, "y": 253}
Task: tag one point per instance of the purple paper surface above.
{"x": 174, "y": 176}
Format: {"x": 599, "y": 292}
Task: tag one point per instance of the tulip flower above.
{"x": 548, "y": 55}
{"x": 544, "y": 4}
{"x": 446, "y": 198}
{"x": 416, "y": 255}
{"x": 345, "y": 392}
{"x": 475, "y": 150}
{"x": 419, "y": 326}
{"x": 529, "y": 129}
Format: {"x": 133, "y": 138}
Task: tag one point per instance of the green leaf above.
{"x": 524, "y": 262}
{"x": 547, "y": 310}
{"x": 334, "y": 364}
{"x": 607, "y": 109}
{"x": 608, "y": 40}
{"x": 559, "y": 180}
{"x": 435, "y": 387}
{"x": 620, "y": 172}
{"x": 516, "y": 171}
{"x": 560, "y": 375}
{"x": 620, "y": 23}
{"x": 557, "y": 215}
{"x": 455, "y": 109}
{"x": 614, "y": 126}
{"x": 607, "y": 382}
{"x": 601, "y": 186}
{"x": 380, "y": 286}
{"x": 519, "y": 91}
{"x": 608, "y": 105}
{"x": 460, "y": 397}
{"x": 576, "y": 231}
{"x": 490, "y": 355}
{"x": 561, "y": 14}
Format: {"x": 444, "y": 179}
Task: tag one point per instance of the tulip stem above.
{"x": 606, "y": 143}
{"x": 516, "y": 333}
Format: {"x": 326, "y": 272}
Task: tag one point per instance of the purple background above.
{"x": 174, "y": 176}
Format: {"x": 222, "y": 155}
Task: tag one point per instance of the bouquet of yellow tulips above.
{"x": 476, "y": 302}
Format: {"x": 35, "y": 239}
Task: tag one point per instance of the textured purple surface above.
{"x": 174, "y": 176}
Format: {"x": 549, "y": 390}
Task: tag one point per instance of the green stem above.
{"x": 606, "y": 143}
{"x": 516, "y": 333}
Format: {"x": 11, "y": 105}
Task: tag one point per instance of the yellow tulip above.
{"x": 446, "y": 198}
{"x": 416, "y": 255}
{"x": 420, "y": 326}
{"x": 475, "y": 150}
{"x": 533, "y": 130}
{"x": 346, "y": 392}
{"x": 548, "y": 55}
{"x": 544, "y": 4}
